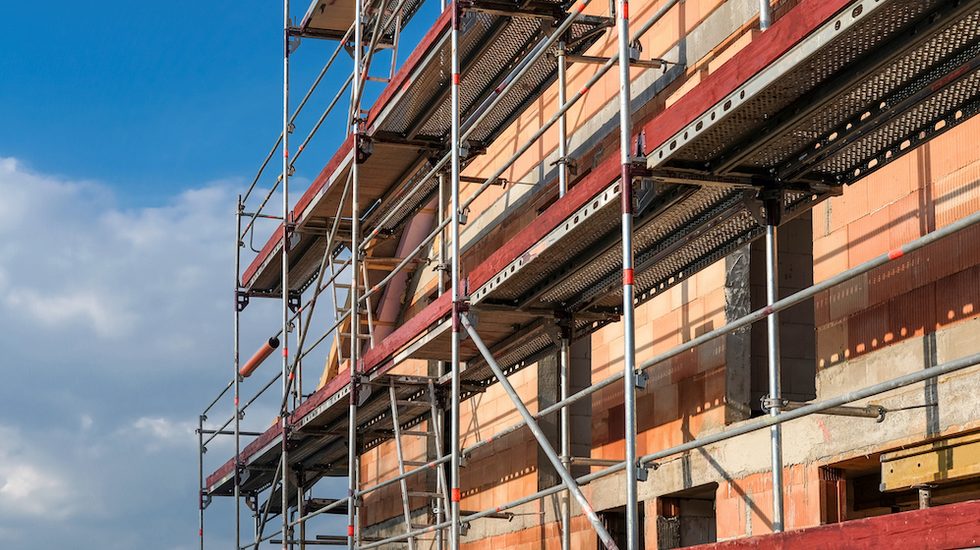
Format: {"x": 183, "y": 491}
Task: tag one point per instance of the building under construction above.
{"x": 699, "y": 272}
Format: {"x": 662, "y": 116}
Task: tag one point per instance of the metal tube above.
{"x": 396, "y": 425}
{"x": 436, "y": 418}
{"x": 629, "y": 347}
{"x": 335, "y": 504}
{"x": 200, "y": 480}
{"x": 564, "y": 355}
{"x": 564, "y": 372}
{"x": 775, "y": 395}
{"x": 221, "y": 394}
{"x": 235, "y": 365}
{"x": 316, "y": 82}
{"x": 761, "y": 423}
{"x": 543, "y": 443}
{"x": 819, "y": 406}
{"x": 352, "y": 539}
{"x": 392, "y": 480}
{"x": 299, "y": 151}
{"x": 454, "y": 153}
{"x": 284, "y": 415}
{"x": 562, "y": 123}
{"x": 765, "y": 15}
{"x": 747, "y": 320}
{"x": 232, "y": 432}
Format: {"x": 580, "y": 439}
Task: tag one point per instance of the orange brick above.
{"x": 830, "y": 254}
{"x": 869, "y": 237}
{"x": 958, "y": 296}
{"x": 912, "y": 314}
{"x": 908, "y": 220}
{"x": 848, "y": 297}
{"x": 866, "y": 330}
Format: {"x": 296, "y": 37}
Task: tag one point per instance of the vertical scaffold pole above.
{"x": 629, "y": 357}
{"x": 284, "y": 415}
{"x": 236, "y": 359}
{"x": 765, "y": 14}
{"x": 300, "y": 490}
{"x": 564, "y": 358}
{"x": 564, "y": 374}
{"x": 200, "y": 480}
{"x": 352, "y": 531}
{"x": 439, "y": 413}
{"x": 454, "y": 530}
{"x": 775, "y": 394}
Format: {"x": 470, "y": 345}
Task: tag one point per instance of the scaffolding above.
{"x": 728, "y": 163}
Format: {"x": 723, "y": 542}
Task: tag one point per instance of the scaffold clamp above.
{"x": 241, "y": 300}
{"x": 642, "y": 473}
{"x": 640, "y": 380}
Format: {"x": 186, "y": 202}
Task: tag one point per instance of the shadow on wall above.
{"x": 914, "y": 295}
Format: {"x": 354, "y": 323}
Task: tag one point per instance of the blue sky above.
{"x": 126, "y": 130}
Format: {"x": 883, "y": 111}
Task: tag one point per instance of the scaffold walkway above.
{"x": 833, "y": 91}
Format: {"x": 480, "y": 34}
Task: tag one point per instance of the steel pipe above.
{"x": 748, "y": 427}
{"x": 236, "y": 370}
{"x": 742, "y": 322}
{"x": 283, "y": 413}
{"x": 355, "y": 345}
{"x": 775, "y": 394}
{"x": 316, "y": 82}
{"x": 455, "y": 288}
{"x": 543, "y": 443}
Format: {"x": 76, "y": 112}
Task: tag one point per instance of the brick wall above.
{"x": 927, "y": 189}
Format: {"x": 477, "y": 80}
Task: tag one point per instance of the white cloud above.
{"x": 31, "y": 484}
{"x": 116, "y": 325}
{"x": 75, "y": 265}
{"x": 158, "y": 433}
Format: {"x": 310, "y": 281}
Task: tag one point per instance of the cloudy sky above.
{"x": 126, "y": 131}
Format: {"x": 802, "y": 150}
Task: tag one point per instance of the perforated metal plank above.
{"x": 491, "y": 45}
{"x": 319, "y": 433}
{"x": 841, "y": 46}
{"x": 952, "y": 102}
{"x": 332, "y": 18}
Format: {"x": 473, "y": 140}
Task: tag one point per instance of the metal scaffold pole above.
{"x": 772, "y": 348}
{"x": 236, "y": 377}
{"x": 629, "y": 350}
{"x": 564, "y": 359}
{"x": 352, "y": 531}
{"x": 564, "y": 372}
{"x": 200, "y": 480}
{"x": 284, "y": 415}
{"x": 454, "y": 530}
{"x": 570, "y": 484}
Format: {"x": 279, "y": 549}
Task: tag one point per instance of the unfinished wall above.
{"x": 904, "y": 316}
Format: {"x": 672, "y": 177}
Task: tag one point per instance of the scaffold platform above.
{"x": 835, "y": 90}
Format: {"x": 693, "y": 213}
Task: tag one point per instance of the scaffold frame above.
{"x": 742, "y": 199}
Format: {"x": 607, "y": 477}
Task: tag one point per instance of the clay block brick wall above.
{"x": 927, "y": 189}
{"x": 683, "y": 394}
